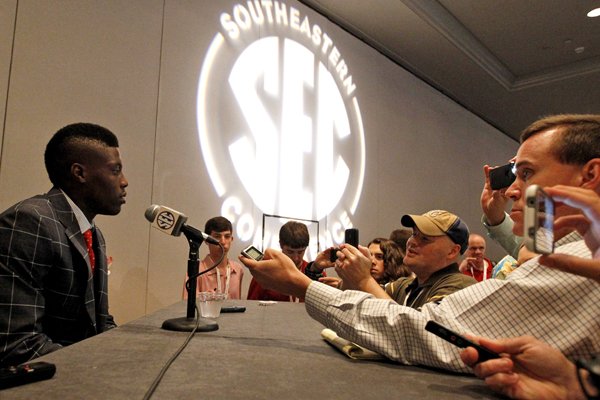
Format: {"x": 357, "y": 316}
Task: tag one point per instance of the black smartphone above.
{"x": 538, "y": 228}
{"x": 252, "y": 252}
{"x": 460, "y": 341}
{"x": 350, "y": 237}
{"x": 233, "y": 309}
{"x": 502, "y": 177}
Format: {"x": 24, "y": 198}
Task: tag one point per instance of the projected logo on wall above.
{"x": 279, "y": 122}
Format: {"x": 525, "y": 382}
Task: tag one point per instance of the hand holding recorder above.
{"x": 528, "y": 369}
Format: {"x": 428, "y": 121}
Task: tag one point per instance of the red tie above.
{"x": 89, "y": 241}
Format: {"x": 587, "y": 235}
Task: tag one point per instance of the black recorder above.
{"x": 459, "y": 341}
{"x": 350, "y": 237}
{"x": 26, "y": 373}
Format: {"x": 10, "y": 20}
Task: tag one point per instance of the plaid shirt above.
{"x": 556, "y": 307}
{"x": 47, "y": 295}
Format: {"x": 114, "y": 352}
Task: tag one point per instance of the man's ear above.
{"x": 454, "y": 252}
{"x": 591, "y": 175}
{"x": 78, "y": 172}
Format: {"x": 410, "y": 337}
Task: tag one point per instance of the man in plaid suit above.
{"x": 52, "y": 292}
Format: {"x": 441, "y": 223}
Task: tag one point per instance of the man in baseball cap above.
{"x": 438, "y": 239}
{"x": 440, "y": 223}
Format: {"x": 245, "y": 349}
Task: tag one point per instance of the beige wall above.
{"x": 7, "y": 25}
{"x": 133, "y": 66}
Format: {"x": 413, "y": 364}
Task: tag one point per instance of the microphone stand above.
{"x": 189, "y": 323}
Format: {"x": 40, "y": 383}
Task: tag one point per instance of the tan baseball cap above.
{"x": 440, "y": 223}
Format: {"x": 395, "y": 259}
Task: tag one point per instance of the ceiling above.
{"x": 508, "y": 61}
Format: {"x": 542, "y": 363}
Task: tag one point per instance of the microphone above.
{"x": 172, "y": 223}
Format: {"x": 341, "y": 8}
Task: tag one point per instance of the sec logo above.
{"x": 279, "y": 122}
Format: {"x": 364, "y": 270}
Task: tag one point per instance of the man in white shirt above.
{"x": 556, "y": 307}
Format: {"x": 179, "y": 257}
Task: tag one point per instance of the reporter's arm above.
{"x": 332, "y": 281}
{"x": 503, "y": 235}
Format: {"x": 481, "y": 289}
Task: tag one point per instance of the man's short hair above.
{"x": 294, "y": 234}
{"x": 400, "y": 237}
{"x": 579, "y": 140}
{"x": 63, "y": 149}
{"x": 218, "y": 224}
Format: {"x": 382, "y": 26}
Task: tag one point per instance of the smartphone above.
{"x": 502, "y": 177}
{"x": 233, "y": 309}
{"x": 460, "y": 341}
{"x": 253, "y": 253}
{"x": 538, "y": 221}
{"x": 350, "y": 237}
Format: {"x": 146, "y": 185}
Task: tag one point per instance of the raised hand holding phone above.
{"x": 502, "y": 177}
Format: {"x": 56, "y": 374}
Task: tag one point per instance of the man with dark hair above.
{"x": 53, "y": 267}
{"x": 557, "y": 307}
{"x": 294, "y": 234}
{"x": 400, "y": 236}
{"x": 227, "y": 276}
{"x": 293, "y": 239}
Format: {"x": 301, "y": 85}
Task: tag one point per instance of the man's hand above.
{"x": 528, "y": 369}
{"x": 331, "y": 281}
{"x": 354, "y": 267}
{"x": 468, "y": 263}
{"x": 277, "y": 271}
{"x": 493, "y": 202}
{"x": 587, "y": 224}
{"x": 322, "y": 260}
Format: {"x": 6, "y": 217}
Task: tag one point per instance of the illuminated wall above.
{"x": 233, "y": 108}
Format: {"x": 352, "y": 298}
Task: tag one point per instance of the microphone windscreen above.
{"x": 166, "y": 219}
{"x": 151, "y": 212}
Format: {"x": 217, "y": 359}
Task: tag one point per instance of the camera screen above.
{"x": 254, "y": 253}
{"x": 544, "y": 232}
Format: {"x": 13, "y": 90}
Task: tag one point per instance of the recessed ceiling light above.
{"x": 594, "y": 13}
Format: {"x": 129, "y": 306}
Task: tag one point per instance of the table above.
{"x": 268, "y": 352}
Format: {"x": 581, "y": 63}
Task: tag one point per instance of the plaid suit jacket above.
{"x": 48, "y": 298}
